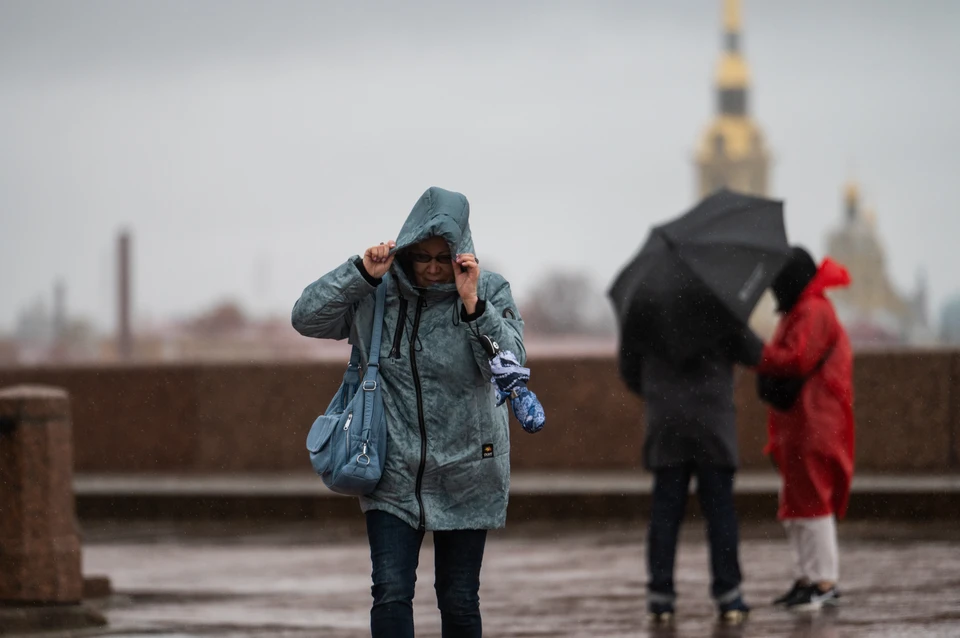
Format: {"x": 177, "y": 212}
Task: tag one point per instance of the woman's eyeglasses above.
{"x": 423, "y": 258}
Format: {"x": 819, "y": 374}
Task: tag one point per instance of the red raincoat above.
{"x": 812, "y": 442}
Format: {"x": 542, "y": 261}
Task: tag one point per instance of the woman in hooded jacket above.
{"x": 447, "y": 466}
{"x": 811, "y": 442}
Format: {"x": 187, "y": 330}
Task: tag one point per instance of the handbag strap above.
{"x": 371, "y": 377}
{"x": 352, "y": 375}
{"x": 373, "y": 361}
{"x": 822, "y": 361}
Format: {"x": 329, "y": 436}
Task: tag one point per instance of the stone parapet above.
{"x": 207, "y": 419}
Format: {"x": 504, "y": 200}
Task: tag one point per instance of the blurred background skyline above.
{"x": 249, "y": 147}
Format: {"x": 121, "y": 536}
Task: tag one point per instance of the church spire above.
{"x": 851, "y": 202}
{"x": 731, "y": 23}
{"x": 733, "y": 77}
{"x": 732, "y": 152}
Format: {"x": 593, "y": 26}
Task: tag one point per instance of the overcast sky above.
{"x": 252, "y": 146}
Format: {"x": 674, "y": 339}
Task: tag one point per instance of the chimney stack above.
{"x": 59, "y": 310}
{"x": 124, "y": 336}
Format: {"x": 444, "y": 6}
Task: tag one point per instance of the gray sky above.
{"x": 252, "y": 146}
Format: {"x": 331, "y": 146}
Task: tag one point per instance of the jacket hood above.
{"x": 831, "y": 274}
{"x": 802, "y": 282}
{"x": 440, "y": 213}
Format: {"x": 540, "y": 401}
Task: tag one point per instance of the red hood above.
{"x": 830, "y": 275}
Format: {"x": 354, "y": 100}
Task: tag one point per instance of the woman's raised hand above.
{"x": 466, "y": 272}
{"x": 377, "y": 259}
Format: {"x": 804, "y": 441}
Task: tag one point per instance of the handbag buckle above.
{"x": 369, "y": 385}
{"x": 363, "y": 455}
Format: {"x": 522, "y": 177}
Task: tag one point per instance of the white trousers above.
{"x": 814, "y": 543}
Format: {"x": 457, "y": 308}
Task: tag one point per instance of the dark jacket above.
{"x": 690, "y": 415}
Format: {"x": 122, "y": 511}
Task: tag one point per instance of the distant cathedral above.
{"x": 733, "y": 154}
{"x": 872, "y": 310}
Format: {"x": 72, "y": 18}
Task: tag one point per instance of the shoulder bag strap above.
{"x": 351, "y": 378}
{"x": 823, "y": 359}
{"x": 373, "y": 361}
{"x": 371, "y": 377}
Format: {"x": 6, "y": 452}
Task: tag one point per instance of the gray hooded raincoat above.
{"x": 448, "y": 445}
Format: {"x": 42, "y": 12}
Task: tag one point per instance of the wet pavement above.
{"x": 539, "y": 580}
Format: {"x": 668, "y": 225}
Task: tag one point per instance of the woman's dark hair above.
{"x": 793, "y": 279}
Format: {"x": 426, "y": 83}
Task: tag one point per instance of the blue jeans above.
{"x": 395, "y": 554}
{"x": 715, "y": 491}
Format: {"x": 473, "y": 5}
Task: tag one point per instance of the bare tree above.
{"x": 225, "y": 316}
{"x": 566, "y": 303}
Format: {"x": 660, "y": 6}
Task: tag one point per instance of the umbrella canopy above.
{"x": 700, "y": 275}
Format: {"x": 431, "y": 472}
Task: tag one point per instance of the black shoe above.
{"x": 660, "y": 613}
{"x": 795, "y": 591}
{"x": 734, "y": 612}
{"x": 813, "y": 599}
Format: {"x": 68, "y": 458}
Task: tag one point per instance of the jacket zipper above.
{"x": 423, "y": 426}
{"x": 398, "y": 333}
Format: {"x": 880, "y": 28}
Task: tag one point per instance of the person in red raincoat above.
{"x": 811, "y": 442}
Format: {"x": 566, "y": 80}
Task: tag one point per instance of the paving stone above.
{"x": 538, "y": 581}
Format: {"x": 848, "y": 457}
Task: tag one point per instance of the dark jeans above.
{"x": 715, "y": 491}
{"x": 395, "y": 554}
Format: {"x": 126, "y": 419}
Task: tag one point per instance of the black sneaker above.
{"x": 660, "y": 613}
{"x": 813, "y": 599}
{"x": 795, "y": 591}
{"x": 734, "y": 612}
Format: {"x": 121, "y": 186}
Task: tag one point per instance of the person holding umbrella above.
{"x": 806, "y": 374}
{"x": 691, "y": 431}
{"x": 683, "y": 304}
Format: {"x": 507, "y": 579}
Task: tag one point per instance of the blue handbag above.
{"x": 348, "y": 442}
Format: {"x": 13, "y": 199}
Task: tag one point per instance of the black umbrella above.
{"x": 700, "y": 276}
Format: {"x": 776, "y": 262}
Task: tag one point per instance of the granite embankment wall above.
{"x": 253, "y": 418}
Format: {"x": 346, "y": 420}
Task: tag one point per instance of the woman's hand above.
{"x": 377, "y": 259}
{"x": 466, "y": 271}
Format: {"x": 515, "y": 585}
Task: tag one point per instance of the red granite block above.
{"x": 39, "y": 540}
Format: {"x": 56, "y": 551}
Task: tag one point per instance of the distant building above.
{"x": 732, "y": 152}
{"x": 873, "y": 311}
{"x": 9, "y": 352}
{"x": 42, "y": 337}
{"x": 950, "y": 322}
{"x": 223, "y": 334}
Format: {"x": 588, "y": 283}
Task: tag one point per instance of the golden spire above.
{"x": 733, "y": 135}
{"x": 732, "y": 72}
{"x": 851, "y": 193}
{"x": 731, "y": 16}
{"x": 851, "y": 201}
